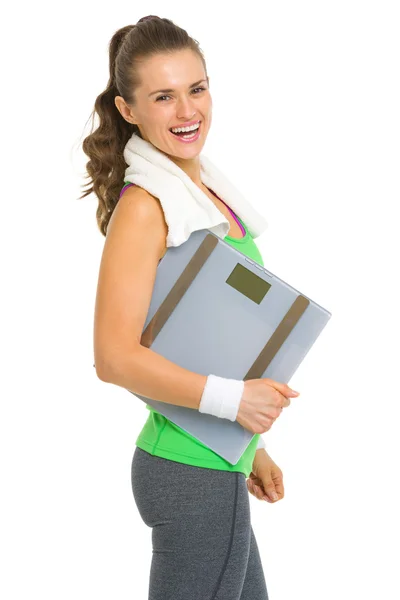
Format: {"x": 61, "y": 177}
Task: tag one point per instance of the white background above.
{"x": 306, "y": 123}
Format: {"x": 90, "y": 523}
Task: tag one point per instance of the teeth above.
{"x": 191, "y": 128}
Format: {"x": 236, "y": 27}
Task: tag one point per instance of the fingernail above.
{"x": 274, "y": 496}
{"x": 294, "y": 392}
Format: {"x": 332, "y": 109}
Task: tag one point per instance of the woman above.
{"x": 196, "y": 503}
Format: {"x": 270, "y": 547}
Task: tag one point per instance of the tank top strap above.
{"x": 238, "y": 221}
{"x": 128, "y": 184}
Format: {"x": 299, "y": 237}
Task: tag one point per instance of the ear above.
{"x": 124, "y": 110}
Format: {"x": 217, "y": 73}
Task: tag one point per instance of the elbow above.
{"x": 104, "y": 369}
{"x": 109, "y": 369}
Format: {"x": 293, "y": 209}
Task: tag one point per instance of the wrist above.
{"x": 221, "y": 397}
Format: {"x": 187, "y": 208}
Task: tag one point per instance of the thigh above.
{"x": 201, "y": 530}
{"x": 254, "y": 585}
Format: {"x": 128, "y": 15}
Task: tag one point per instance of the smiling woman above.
{"x": 181, "y": 105}
{"x": 159, "y": 91}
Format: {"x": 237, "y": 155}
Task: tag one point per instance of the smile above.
{"x": 187, "y": 137}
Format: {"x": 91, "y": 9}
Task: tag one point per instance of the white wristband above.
{"x": 261, "y": 443}
{"x": 221, "y": 397}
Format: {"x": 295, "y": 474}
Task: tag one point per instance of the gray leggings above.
{"x": 204, "y": 546}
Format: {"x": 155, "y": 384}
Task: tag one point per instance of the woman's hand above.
{"x": 262, "y": 403}
{"x": 265, "y": 481}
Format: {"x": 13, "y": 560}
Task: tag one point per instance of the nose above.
{"x": 185, "y": 109}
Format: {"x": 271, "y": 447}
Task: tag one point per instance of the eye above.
{"x": 165, "y": 96}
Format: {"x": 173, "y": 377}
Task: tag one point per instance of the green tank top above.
{"x": 160, "y": 437}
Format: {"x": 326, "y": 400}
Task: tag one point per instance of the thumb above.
{"x": 269, "y": 488}
{"x": 283, "y": 388}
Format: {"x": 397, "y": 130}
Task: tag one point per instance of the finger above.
{"x": 283, "y": 388}
{"x": 252, "y": 489}
{"x": 250, "y": 486}
{"x": 256, "y": 480}
{"x": 279, "y": 488}
{"x": 271, "y": 491}
{"x": 258, "y": 492}
{"x": 261, "y": 495}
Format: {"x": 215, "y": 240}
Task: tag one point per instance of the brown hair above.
{"x": 104, "y": 146}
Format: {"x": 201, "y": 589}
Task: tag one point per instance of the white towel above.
{"x": 186, "y": 207}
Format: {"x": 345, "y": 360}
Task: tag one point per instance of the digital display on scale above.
{"x": 248, "y": 284}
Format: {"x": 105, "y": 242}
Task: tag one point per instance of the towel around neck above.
{"x": 186, "y": 207}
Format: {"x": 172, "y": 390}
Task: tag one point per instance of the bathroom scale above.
{"x": 214, "y": 310}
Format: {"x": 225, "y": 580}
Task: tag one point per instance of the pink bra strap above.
{"x": 125, "y": 187}
{"x": 232, "y": 213}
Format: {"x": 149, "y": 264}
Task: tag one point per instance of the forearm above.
{"x": 147, "y": 373}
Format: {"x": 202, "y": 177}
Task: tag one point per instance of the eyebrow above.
{"x": 169, "y": 90}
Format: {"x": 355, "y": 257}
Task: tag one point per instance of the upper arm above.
{"x": 134, "y": 245}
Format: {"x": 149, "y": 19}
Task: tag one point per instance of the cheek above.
{"x": 157, "y": 116}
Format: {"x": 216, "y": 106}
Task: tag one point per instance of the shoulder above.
{"x": 136, "y": 210}
{"x": 138, "y": 199}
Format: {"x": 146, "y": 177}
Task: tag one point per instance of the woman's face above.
{"x": 155, "y": 112}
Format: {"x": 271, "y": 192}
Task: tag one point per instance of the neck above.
{"x": 190, "y": 166}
